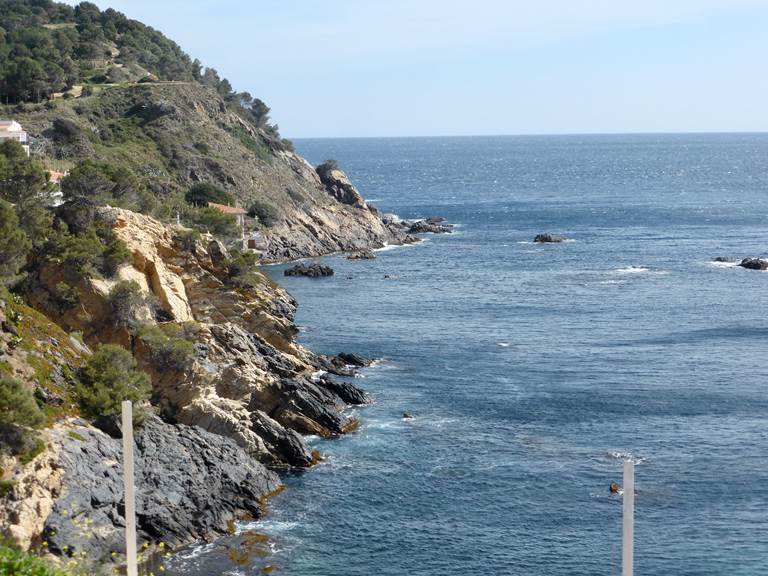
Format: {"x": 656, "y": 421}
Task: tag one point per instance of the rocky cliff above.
{"x": 242, "y": 401}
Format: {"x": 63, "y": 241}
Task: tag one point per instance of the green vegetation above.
{"x": 14, "y": 245}
{"x": 201, "y": 194}
{"x": 99, "y": 183}
{"x": 265, "y": 212}
{"x": 18, "y": 406}
{"x": 110, "y": 376}
{"x": 126, "y": 301}
{"x": 213, "y": 221}
{"x": 92, "y": 251}
{"x": 19, "y": 414}
{"x": 169, "y": 346}
{"x": 243, "y": 270}
{"x": 16, "y": 563}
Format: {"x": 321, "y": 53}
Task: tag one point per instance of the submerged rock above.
{"x": 313, "y": 270}
{"x": 362, "y": 255}
{"x": 754, "y": 264}
{"x": 548, "y": 238}
{"x": 430, "y": 226}
{"x": 722, "y": 259}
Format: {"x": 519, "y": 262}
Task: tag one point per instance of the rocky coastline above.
{"x": 221, "y": 426}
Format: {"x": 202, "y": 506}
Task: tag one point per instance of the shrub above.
{"x": 167, "y": 351}
{"x": 187, "y": 239}
{"x": 18, "y": 414}
{"x": 127, "y": 301}
{"x": 201, "y": 194}
{"x": 14, "y": 245}
{"x": 213, "y": 221}
{"x": 242, "y": 269}
{"x": 16, "y": 563}
{"x": 66, "y": 296}
{"x": 109, "y": 377}
{"x": 18, "y": 406}
{"x": 95, "y": 250}
{"x": 267, "y": 213}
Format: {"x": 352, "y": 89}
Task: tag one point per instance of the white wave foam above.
{"x": 503, "y": 344}
{"x": 616, "y": 455}
{"x": 632, "y": 270}
{"x": 723, "y": 264}
{"x": 315, "y": 377}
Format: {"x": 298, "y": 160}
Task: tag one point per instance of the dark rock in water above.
{"x": 354, "y": 359}
{"x": 722, "y": 259}
{"x": 435, "y": 220}
{"x": 349, "y": 393}
{"x": 362, "y": 255}
{"x": 189, "y": 484}
{"x": 407, "y": 416}
{"x": 548, "y": 238}
{"x": 754, "y": 264}
{"x": 427, "y": 227}
{"x": 313, "y": 270}
{"x": 289, "y": 444}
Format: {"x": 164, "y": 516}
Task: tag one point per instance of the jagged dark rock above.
{"x": 349, "y": 393}
{"x": 313, "y": 270}
{"x": 754, "y": 264}
{"x": 548, "y": 238}
{"x": 338, "y": 185}
{"x": 430, "y": 226}
{"x": 290, "y": 445}
{"x": 722, "y": 259}
{"x": 189, "y": 484}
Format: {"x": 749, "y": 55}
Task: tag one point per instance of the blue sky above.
{"x": 444, "y": 67}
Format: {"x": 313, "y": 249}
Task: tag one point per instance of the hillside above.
{"x": 134, "y": 101}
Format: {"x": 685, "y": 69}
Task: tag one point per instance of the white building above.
{"x": 12, "y": 130}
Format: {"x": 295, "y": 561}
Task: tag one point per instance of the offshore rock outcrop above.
{"x": 754, "y": 264}
{"x": 314, "y": 270}
{"x": 548, "y": 239}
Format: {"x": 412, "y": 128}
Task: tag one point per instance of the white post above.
{"x": 130, "y": 505}
{"x": 627, "y": 548}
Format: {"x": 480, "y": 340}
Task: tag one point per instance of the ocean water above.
{"x": 532, "y": 371}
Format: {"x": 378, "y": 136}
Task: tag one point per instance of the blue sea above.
{"x": 532, "y": 371}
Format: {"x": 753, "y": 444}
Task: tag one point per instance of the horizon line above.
{"x": 535, "y": 135}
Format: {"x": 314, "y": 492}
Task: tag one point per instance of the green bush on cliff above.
{"x": 126, "y": 301}
{"x": 243, "y": 269}
{"x": 17, "y": 563}
{"x": 168, "y": 351}
{"x": 93, "y": 251}
{"x": 265, "y": 212}
{"x": 200, "y": 194}
{"x": 19, "y": 414}
{"x": 109, "y": 377}
{"x": 214, "y": 221}
{"x": 14, "y": 245}
{"x": 102, "y": 183}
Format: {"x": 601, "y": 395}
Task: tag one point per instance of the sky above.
{"x": 338, "y": 68}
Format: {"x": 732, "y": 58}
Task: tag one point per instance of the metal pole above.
{"x": 627, "y": 548}
{"x": 130, "y": 503}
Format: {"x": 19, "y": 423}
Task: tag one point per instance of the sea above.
{"x": 533, "y": 371}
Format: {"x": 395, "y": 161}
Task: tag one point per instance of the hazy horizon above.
{"x": 487, "y": 67}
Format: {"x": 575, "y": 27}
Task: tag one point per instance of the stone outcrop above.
{"x": 362, "y": 255}
{"x": 754, "y": 264}
{"x": 430, "y": 226}
{"x": 314, "y": 270}
{"x": 339, "y": 186}
{"x": 548, "y": 239}
{"x": 189, "y": 485}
